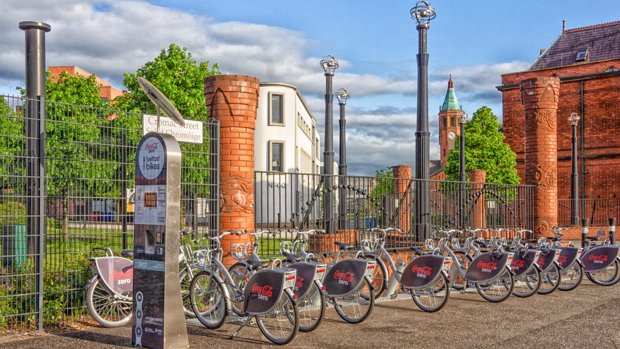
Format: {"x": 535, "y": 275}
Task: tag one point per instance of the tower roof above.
{"x": 450, "y": 102}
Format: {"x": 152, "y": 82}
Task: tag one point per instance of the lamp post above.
{"x": 462, "y": 177}
{"x": 329, "y": 64}
{"x": 574, "y": 185}
{"x": 343, "y": 96}
{"x": 423, "y": 13}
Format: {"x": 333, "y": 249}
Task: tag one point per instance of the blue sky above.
{"x": 283, "y": 40}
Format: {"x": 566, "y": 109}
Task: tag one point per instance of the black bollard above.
{"x": 612, "y": 230}
{"x": 585, "y": 222}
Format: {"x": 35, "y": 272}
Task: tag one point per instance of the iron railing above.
{"x": 597, "y": 210}
{"x": 288, "y": 201}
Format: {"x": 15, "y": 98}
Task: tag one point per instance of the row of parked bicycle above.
{"x": 291, "y": 294}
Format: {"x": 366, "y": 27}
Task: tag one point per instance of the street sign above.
{"x": 190, "y": 133}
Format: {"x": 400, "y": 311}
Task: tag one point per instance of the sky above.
{"x": 375, "y": 42}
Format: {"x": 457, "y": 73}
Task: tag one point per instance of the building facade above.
{"x": 586, "y": 63}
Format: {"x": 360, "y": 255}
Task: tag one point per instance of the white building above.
{"x": 286, "y": 140}
{"x": 286, "y": 137}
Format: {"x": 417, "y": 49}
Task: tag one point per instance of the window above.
{"x": 451, "y": 121}
{"x": 582, "y": 56}
{"x": 276, "y": 109}
{"x": 276, "y": 156}
{"x": 445, "y": 123}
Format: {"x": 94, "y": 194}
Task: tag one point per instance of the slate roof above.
{"x": 602, "y": 42}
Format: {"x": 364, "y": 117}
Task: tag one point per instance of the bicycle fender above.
{"x": 319, "y": 284}
{"x": 447, "y": 277}
{"x": 290, "y": 293}
{"x": 227, "y": 296}
{"x": 372, "y": 288}
{"x": 91, "y": 281}
{"x": 510, "y": 270}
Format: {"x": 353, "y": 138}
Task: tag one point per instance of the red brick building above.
{"x": 585, "y": 62}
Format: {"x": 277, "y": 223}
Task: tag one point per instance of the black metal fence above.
{"x": 89, "y": 184}
{"x": 597, "y": 210}
{"x": 284, "y": 201}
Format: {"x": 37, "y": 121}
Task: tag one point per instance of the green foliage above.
{"x": 12, "y": 142}
{"x": 181, "y": 79}
{"x": 12, "y": 213}
{"x": 384, "y": 180}
{"x": 484, "y": 150}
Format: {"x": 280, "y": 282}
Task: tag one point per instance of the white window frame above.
{"x": 270, "y": 155}
{"x": 270, "y": 111}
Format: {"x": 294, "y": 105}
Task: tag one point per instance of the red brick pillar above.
{"x": 402, "y": 189}
{"x": 540, "y": 103}
{"x": 477, "y": 179}
{"x": 233, "y": 100}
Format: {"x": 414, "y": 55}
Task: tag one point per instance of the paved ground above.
{"x": 588, "y": 317}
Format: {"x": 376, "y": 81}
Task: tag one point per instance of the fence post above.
{"x": 35, "y": 147}
{"x": 585, "y": 222}
{"x": 124, "y": 186}
{"x": 612, "y": 230}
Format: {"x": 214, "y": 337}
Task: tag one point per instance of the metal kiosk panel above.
{"x": 158, "y": 319}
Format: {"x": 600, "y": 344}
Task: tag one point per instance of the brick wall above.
{"x": 601, "y": 121}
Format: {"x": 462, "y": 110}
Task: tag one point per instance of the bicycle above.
{"x": 109, "y": 292}
{"x": 267, "y": 297}
{"x": 425, "y": 278}
{"x": 526, "y": 272}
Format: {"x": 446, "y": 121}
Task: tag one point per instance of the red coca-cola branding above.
{"x": 151, "y": 147}
{"x": 487, "y": 266}
{"x": 263, "y": 292}
{"x": 518, "y": 263}
{"x": 422, "y": 271}
{"x": 598, "y": 259}
{"x": 562, "y": 259}
{"x": 541, "y": 261}
{"x": 342, "y": 276}
{"x": 299, "y": 282}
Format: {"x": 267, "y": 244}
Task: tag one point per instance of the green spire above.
{"x": 450, "y": 102}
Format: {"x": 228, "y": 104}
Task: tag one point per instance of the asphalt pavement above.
{"x": 587, "y": 317}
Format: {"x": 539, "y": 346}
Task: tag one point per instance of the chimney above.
{"x": 563, "y": 25}
{"x": 541, "y": 51}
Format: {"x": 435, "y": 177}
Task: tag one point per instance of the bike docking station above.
{"x": 158, "y": 318}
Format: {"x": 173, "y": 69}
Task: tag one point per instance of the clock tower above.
{"x": 449, "y": 113}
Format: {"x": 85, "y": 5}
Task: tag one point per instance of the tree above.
{"x": 181, "y": 79}
{"x": 384, "y": 185}
{"x": 75, "y": 114}
{"x": 484, "y": 150}
{"x": 12, "y": 142}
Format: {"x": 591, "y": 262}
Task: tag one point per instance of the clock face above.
{"x": 451, "y": 135}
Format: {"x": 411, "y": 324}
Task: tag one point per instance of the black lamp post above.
{"x": 342, "y": 96}
{"x": 574, "y": 185}
{"x": 423, "y": 13}
{"x": 329, "y": 64}
{"x": 462, "y": 178}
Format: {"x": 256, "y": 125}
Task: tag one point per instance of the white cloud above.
{"x": 110, "y": 37}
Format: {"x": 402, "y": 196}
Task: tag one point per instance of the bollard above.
{"x": 584, "y": 230}
{"x": 612, "y": 230}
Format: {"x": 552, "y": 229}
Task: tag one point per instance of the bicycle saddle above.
{"x": 343, "y": 245}
{"x": 290, "y": 257}
{"x": 592, "y": 238}
{"x": 482, "y": 243}
{"x": 420, "y": 251}
{"x": 127, "y": 253}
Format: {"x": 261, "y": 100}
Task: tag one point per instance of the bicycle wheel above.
{"x": 186, "y": 277}
{"x": 606, "y": 277}
{"x": 280, "y": 325}
{"x": 311, "y": 309}
{"x": 527, "y": 284}
{"x": 458, "y": 281}
{"x": 571, "y": 277}
{"x": 434, "y": 297}
{"x": 356, "y": 306}
{"x": 208, "y": 300}
{"x": 105, "y": 307}
{"x": 498, "y": 289}
{"x": 240, "y": 273}
{"x": 550, "y": 280}
{"x": 379, "y": 279}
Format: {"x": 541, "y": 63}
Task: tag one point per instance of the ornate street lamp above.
{"x": 574, "y": 185}
{"x": 423, "y": 13}
{"x": 329, "y": 64}
{"x": 342, "y": 96}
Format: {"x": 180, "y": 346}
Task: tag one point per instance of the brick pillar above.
{"x": 233, "y": 100}
{"x": 402, "y": 189}
{"x": 540, "y": 103}
{"x": 477, "y": 179}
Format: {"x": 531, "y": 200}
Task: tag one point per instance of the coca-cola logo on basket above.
{"x": 562, "y": 259}
{"x": 486, "y": 267}
{"x": 518, "y": 263}
{"x": 343, "y": 277}
{"x": 598, "y": 259}
{"x": 299, "y": 283}
{"x": 422, "y": 272}
{"x": 263, "y": 292}
{"x": 541, "y": 261}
